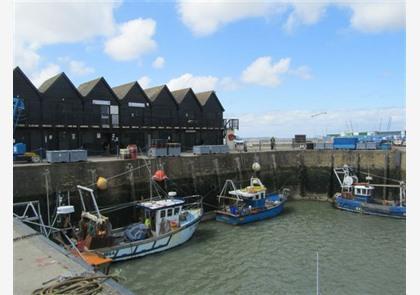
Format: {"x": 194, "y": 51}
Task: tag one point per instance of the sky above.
{"x": 281, "y": 67}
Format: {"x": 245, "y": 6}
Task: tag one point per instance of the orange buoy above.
{"x": 159, "y": 176}
{"x": 102, "y": 183}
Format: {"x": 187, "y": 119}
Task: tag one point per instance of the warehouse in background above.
{"x": 101, "y": 119}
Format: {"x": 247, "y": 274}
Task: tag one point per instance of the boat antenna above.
{"x": 317, "y": 273}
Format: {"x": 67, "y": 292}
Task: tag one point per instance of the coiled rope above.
{"x": 81, "y": 285}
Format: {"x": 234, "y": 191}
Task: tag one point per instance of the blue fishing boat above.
{"x": 358, "y": 196}
{"x": 240, "y": 206}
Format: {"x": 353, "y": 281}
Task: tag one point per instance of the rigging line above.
{"x": 118, "y": 175}
{"x": 396, "y": 180}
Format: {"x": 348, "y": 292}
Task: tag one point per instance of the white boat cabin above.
{"x": 163, "y": 214}
{"x": 364, "y": 190}
{"x": 255, "y": 191}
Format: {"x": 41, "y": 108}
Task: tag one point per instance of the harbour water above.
{"x": 357, "y": 255}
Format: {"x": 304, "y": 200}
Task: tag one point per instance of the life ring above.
{"x": 231, "y": 136}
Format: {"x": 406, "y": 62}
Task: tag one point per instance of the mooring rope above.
{"x": 83, "y": 285}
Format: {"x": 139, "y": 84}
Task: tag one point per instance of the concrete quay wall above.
{"x": 307, "y": 173}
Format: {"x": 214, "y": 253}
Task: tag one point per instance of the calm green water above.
{"x": 357, "y": 255}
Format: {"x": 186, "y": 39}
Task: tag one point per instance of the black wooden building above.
{"x": 29, "y": 128}
{"x": 135, "y": 114}
{"x": 99, "y": 118}
{"x": 62, "y": 109}
{"x": 100, "y": 128}
{"x": 164, "y": 123}
{"x": 189, "y": 117}
{"x": 212, "y": 119}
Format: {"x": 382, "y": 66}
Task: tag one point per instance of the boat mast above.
{"x": 317, "y": 274}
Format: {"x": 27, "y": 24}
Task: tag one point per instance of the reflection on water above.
{"x": 357, "y": 255}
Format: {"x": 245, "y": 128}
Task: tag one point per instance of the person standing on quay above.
{"x": 272, "y": 142}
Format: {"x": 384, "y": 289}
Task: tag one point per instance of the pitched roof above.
{"x": 47, "y": 83}
{"x": 180, "y": 94}
{"x": 87, "y": 87}
{"x": 18, "y": 70}
{"x": 122, "y": 90}
{"x": 153, "y": 92}
{"x": 203, "y": 98}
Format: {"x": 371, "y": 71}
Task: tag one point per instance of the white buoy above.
{"x": 256, "y": 167}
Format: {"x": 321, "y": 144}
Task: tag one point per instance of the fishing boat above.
{"x": 163, "y": 223}
{"x": 249, "y": 204}
{"x": 358, "y": 196}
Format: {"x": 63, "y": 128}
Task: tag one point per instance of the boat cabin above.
{"x": 362, "y": 192}
{"x": 163, "y": 214}
{"x": 253, "y": 195}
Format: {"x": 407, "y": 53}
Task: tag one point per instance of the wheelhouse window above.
{"x": 176, "y": 211}
{"x": 162, "y": 213}
{"x": 169, "y": 212}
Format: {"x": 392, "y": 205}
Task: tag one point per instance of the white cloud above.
{"x": 288, "y": 123}
{"x": 228, "y": 84}
{"x": 40, "y": 76}
{"x": 197, "y": 83}
{"x": 376, "y": 17}
{"x": 303, "y": 72}
{"x": 40, "y": 23}
{"x": 265, "y": 73}
{"x": 79, "y": 68}
{"x": 204, "y": 18}
{"x": 306, "y": 13}
{"x": 144, "y": 81}
{"x": 72, "y": 21}
{"x": 26, "y": 58}
{"x": 159, "y": 62}
{"x": 134, "y": 39}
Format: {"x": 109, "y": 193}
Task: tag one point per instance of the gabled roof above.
{"x": 153, "y": 93}
{"x": 87, "y": 87}
{"x": 121, "y": 91}
{"x": 180, "y": 94}
{"x": 50, "y": 82}
{"x": 47, "y": 83}
{"x": 19, "y": 71}
{"x": 203, "y": 98}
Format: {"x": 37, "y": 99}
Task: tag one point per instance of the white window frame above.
{"x": 101, "y": 102}
{"x": 136, "y": 105}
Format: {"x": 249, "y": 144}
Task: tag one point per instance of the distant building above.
{"x": 62, "y": 109}
{"x": 212, "y": 117}
{"x": 100, "y": 129}
{"x": 190, "y": 114}
{"x": 29, "y": 129}
{"x": 99, "y": 118}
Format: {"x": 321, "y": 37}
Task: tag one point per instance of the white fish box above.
{"x": 201, "y": 149}
{"x": 58, "y": 156}
{"x": 174, "y": 149}
{"x": 78, "y": 155}
{"x": 158, "y": 152}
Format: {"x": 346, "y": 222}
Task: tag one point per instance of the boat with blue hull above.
{"x": 250, "y": 204}
{"x": 358, "y": 196}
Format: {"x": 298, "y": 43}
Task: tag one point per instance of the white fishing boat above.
{"x": 163, "y": 223}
